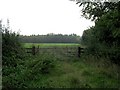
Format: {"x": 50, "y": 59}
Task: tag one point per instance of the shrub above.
{"x": 44, "y": 64}
{"x": 12, "y": 54}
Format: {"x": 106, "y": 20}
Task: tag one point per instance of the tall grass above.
{"x": 47, "y": 70}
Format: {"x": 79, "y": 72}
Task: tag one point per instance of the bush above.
{"x": 11, "y": 48}
{"x": 12, "y": 54}
{"x": 103, "y": 39}
{"x": 43, "y": 65}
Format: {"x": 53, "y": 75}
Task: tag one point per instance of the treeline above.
{"x": 103, "y": 39}
{"x": 50, "y": 38}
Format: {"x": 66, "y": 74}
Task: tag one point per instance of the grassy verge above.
{"x": 49, "y": 71}
{"x": 76, "y": 73}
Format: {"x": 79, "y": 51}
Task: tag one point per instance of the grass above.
{"x": 77, "y": 74}
{"x": 47, "y": 45}
{"x": 64, "y": 72}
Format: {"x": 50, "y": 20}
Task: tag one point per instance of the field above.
{"x": 54, "y": 70}
{"x": 46, "y": 45}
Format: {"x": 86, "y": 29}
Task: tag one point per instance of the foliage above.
{"x": 44, "y": 64}
{"x": 109, "y": 27}
{"x": 103, "y": 39}
{"x": 11, "y": 56}
{"x": 11, "y": 48}
{"x": 49, "y": 71}
{"x": 21, "y": 75}
{"x": 95, "y": 10}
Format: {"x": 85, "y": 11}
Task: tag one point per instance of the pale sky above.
{"x": 44, "y": 16}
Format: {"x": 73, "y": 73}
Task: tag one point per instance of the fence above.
{"x": 68, "y": 51}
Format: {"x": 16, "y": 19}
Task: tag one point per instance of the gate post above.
{"x": 38, "y": 49}
{"x": 79, "y": 51}
{"x": 33, "y": 50}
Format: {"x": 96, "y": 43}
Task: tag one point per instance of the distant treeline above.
{"x": 50, "y": 38}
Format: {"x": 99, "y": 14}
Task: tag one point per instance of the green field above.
{"x": 46, "y": 45}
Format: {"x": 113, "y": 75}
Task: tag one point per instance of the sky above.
{"x": 44, "y": 16}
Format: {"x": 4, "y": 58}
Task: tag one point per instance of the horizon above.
{"x": 49, "y": 34}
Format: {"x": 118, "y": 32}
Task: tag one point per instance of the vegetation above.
{"x": 97, "y": 67}
{"x": 103, "y": 39}
{"x": 49, "y": 71}
{"x": 12, "y": 54}
{"x": 47, "y": 45}
{"x": 50, "y": 38}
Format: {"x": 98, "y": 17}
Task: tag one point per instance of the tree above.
{"x": 105, "y": 35}
{"x": 50, "y": 38}
{"x": 95, "y": 10}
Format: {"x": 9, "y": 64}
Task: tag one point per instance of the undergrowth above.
{"x": 49, "y": 71}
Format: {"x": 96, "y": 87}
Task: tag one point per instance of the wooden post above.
{"x": 79, "y": 51}
{"x": 33, "y": 50}
{"x": 38, "y": 49}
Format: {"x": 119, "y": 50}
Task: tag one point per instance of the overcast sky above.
{"x": 44, "y": 16}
